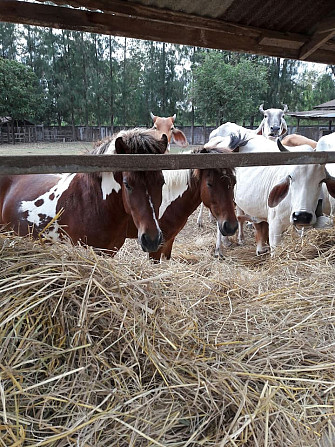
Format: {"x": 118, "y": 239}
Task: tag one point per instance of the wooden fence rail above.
{"x": 42, "y": 164}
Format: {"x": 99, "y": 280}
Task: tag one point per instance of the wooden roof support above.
{"x": 324, "y": 31}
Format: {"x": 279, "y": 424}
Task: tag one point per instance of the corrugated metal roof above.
{"x": 325, "y": 111}
{"x": 299, "y": 29}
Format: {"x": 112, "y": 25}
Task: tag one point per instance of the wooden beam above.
{"x": 322, "y": 33}
{"x": 46, "y": 164}
{"x": 314, "y": 44}
{"x": 126, "y": 20}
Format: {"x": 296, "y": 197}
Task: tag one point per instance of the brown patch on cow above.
{"x": 25, "y": 215}
{"x": 42, "y": 216}
{"x": 52, "y": 196}
{"x": 39, "y": 202}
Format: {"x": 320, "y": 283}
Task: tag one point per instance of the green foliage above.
{"x": 227, "y": 91}
{"x": 68, "y": 77}
{"x": 20, "y": 94}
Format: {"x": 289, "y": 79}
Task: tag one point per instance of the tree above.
{"x": 20, "y": 93}
{"x": 227, "y": 92}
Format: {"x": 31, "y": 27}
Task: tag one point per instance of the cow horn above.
{"x": 281, "y": 147}
{"x": 261, "y": 108}
{"x": 152, "y": 116}
{"x": 174, "y": 117}
{"x": 285, "y": 108}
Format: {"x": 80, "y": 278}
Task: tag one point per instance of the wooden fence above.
{"x": 37, "y": 164}
{"x": 197, "y": 135}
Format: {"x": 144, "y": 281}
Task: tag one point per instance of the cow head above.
{"x": 304, "y": 184}
{"x": 166, "y": 126}
{"x": 273, "y": 124}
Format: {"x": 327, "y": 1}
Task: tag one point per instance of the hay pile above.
{"x": 194, "y": 352}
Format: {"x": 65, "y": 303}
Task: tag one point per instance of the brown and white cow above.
{"x": 297, "y": 140}
{"x": 166, "y": 126}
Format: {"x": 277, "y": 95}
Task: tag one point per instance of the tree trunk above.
{"x": 192, "y": 124}
{"x": 124, "y": 83}
{"x": 85, "y": 78}
{"x": 111, "y": 99}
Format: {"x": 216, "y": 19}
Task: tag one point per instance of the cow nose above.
{"x": 228, "y": 228}
{"x": 275, "y": 129}
{"x": 302, "y": 217}
{"x": 149, "y": 244}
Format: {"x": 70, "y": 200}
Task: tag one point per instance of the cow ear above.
{"x": 120, "y": 146}
{"x": 179, "y": 138}
{"x": 259, "y": 130}
{"x": 284, "y": 131}
{"x": 279, "y": 192}
{"x": 330, "y": 183}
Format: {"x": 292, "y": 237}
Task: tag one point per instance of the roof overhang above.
{"x": 298, "y": 30}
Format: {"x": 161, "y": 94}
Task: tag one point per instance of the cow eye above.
{"x": 209, "y": 184}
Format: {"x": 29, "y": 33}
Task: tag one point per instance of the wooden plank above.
{"x": 314, "y": 44}
{"x": 186, "y": 29}
{"x": 42, "y": 164}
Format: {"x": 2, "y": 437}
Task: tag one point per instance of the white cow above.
{"x": 327, "y": 143}
{"x": 273, "y": 124}
{"x": 279, "y": 195}
{"x": 272, "y": 127}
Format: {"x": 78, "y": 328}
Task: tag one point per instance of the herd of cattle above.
{"x": 105, "y": 208}
{"x": 274, "y": 197}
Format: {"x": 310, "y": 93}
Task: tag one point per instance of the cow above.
{"x": 326, "y": 203}
{"x": 327, "y": 143}
{"x": 278, "y": 196}
{"x": 166, "y": 126}
{"x": 273, "y": 124}
{"x": 295, "y": 139}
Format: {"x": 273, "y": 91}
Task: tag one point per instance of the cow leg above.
{"x": 199, "y": 219}
{"x": 262, "y": 237}
{"x": 241, "y": 218}
{"x": 275, "y": 235}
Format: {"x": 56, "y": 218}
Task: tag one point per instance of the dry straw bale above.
{"x": 197, "y": 351}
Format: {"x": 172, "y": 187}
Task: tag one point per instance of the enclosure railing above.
{"x": 41, "y": 164}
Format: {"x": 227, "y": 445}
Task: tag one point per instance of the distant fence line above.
{"x": 197, "y": 135}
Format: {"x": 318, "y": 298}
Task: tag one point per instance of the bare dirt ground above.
{"x": 46, "y": 148}
{"x": 73, "y": 147}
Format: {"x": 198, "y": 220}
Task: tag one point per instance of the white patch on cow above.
{"x": 176, "y": 183}
{"x": 109, "y": 184}
{"x": 48, "y": 207}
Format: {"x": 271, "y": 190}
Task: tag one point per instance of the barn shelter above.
{"x": 15, "y": 130}
{"x": 303, "y": 30}
{"x": 322, "y": 113}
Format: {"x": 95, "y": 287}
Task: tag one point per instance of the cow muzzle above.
{"x": 302, "y": 218}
